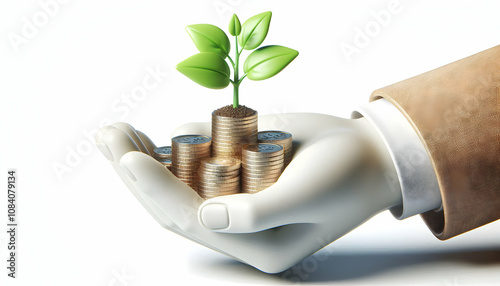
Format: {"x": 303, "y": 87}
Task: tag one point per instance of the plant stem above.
{"x": 236, "y": 80}
{"x": 231, "y": 60}
{"x": 236, "y": 102}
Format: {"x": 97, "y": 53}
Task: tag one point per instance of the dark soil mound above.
{"x": 238, "y": 112}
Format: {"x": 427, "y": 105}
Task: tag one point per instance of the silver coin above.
{"x": 262, "y": 148}
{"x": 163, "y": 152}
{"x": 274, "y": 135}
{"x": 166, "y": 162}
{"x": 192, "y": 139}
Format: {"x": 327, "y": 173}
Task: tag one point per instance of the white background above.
{"x": 78, "y": 68}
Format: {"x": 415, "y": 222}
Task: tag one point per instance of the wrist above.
{"x": 407, "y": 166}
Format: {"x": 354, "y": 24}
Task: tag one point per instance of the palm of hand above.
{"x": 320, "y": 196}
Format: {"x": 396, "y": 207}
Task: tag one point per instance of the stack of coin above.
{"x": 167, "y": 163}
{"x": 187, "y": 153}
{"x": 281, "y": 138}
{"x": 164, "y": 152}
{"x": 230, "y": 134}
{"x": 262, "y": 164}
{"x": 164, "y": 156}
{"x": 218, "y": 177}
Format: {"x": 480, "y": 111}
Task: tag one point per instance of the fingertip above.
{"x": 150, "y": 145}
{"x": 231, "y": 214}
{"x": 123, "y": 126}
{"x": 99, "y": 135}
{"x": 118, "y": 143}
{"x": 130, "y": 130}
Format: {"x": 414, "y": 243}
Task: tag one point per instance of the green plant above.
{"x": 209, "y": 67}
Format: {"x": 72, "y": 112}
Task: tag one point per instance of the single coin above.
{"x": 211, "y": 179}
{"x": 192, "y": 139}
{"x": 262, "y": 161}
{"x": 259, "y": 181}
{"x": 219, "y": 189}
{"x": 262, "y": 172}
{"x": 166, "y": 162}
{"x": 222, "y": 175}
{"x": 164, "y": 152}
{"x": 219, "y": 123}
{"x": 274, "y": 135}
{"x": 262, "y": 150}
{"x": 257, "y": 185}
{"x": 228, "y": 140}
{"x": 234, "y": 119}
{"x": 278, "y": 137}
{"x": 216, "y": 163}
{"x": 188, "y": 159}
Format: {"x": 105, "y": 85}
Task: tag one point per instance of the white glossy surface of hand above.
{"x": 335, "y": 182}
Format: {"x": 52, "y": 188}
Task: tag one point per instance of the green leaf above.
{"x": 234, "y": 26}
{"x": 206, "y": 69}
{"x": 268, "y": 61}
{"x": 209, "y": 38}
{"x": 254, "y": 31}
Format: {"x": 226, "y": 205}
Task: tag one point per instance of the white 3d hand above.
{"x": 335, "y": 182}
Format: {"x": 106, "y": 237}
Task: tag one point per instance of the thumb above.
{"x": 246, "y": 213}
{"x": 313, "y": 183}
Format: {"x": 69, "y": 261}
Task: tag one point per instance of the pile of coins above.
{"x": 164, "y": 156}
{"x": 262, "y": 164}
{"x": 218, "y": 177}
{"x": 187, "y": 153}
{"x": 281, "y": 138}
{"x": 231, "y": 134}
{"x": 236, "y": 164}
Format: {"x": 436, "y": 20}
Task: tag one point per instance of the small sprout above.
{"x": 210, "y": 69}
{"x": 234, "y": 26}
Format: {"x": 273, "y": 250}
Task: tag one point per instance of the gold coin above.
{"x": 217, "y": 118}
{"x": 219, "y": 179}
{"x": 215, "y": 162}
{"x": 219, "y": 175}
{"x": 234, "y": 119}
{"x": 262, "y": 173}
{"x": 236, "y": 125}
{"x": 217, "y": 192}
{"x": 234, "y": 132}
{"x": 262, "y": 176}
{"x": 259, "y": 162}
{"x": 261, "y": 180}
{"x": 184, "y": 170}
{"x": 257, "y": 186}
{"x": 261, "y": 150}
{"x": 218, "y": 189}
{"x": 234, "y": 139}
{"x": 230, "y": 139}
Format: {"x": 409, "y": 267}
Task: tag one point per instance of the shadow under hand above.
{"x": 343, "y": 266}
{"x": 351, "y": 266}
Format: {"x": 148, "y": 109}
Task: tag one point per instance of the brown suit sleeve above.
{"x": 455, "y": 109}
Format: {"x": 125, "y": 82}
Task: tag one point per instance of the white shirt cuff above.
{"x": 417, "y": 179}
